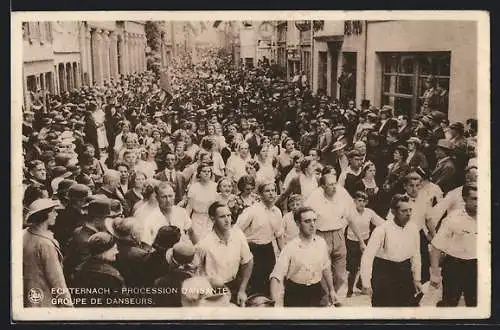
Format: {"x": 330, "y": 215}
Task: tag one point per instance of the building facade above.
{"x": 387, "y": 63}
{"x": 61, "y": 55}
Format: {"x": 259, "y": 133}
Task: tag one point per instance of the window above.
{"x": 282, "y": 33}
{"x": 31, "y": 83}
{"x": 404, "y": 76}
{"x": 305, "y": 37}
{"x": 306, "y": 63}
{"x": 322, "y": 70}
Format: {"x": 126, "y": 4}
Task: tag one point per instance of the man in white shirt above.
{"x": 333, "y": 205}
{"x": 224, "y": 253}
{"x": 262, "y": 224}
{"x": 166, "y": 214}
{"x": 390, "y": 265}
{"x": 302, "y": 265}
{"x": 421, "y": 206}
{"x": 457, "y": 238}
{"x": 453, "y": 200}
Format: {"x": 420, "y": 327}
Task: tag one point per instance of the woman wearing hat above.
{"x": 42, "y": 258}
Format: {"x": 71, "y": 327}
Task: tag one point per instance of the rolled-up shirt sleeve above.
{"x": 416, "y": 261}
{"x": 281, "y": 268}
{"x": 244, "y": 219}
{"x": 245, "y": 253}
{"x": 440, "y": 240}
{"x": 374, "y": 244}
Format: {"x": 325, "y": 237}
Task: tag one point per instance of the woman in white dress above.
{"x": 148, "y": 165}
{"x": 201, "y": 194}
{"x": 266, "y": 172}
{"x": 99, "y": 118}
{"x": 120, "y": 138}
{"x": 145, "y": 208}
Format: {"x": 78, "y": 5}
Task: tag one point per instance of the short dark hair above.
{"x": 360, "y": 194}
{"x": 34, "y": 163}
{"x": 122, "y": 164}
{"x": 305, "y": 162}
{"x": 212, "y": 209}
{"x": 297, "y": 214}
{"x": 245, "y": 180}
{"x": 318, "y": 151}
{"x": 403, "y": 151}
{"x": 32, "y": 193}
{"x": 328, "y": 169}
{"x": 467, "y": 189}
{"x": 398, "y": 198}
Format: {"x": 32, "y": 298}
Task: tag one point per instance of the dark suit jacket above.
{"x": 391, "y": 122}
{"x": 179, "y": 184}
{"x": 404, "y": 134}
{"x": 444, "y": 175}
{"x": 253, "y": 145}
{"x": 90, "y": 131}
{"x": 114, "y": 195}
{"x": 419, "y": 159}
{"x": 131, "y": 199}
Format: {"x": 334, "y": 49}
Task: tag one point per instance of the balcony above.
{"x": 331, "y": 31}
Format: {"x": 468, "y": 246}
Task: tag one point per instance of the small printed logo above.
{"x": 35, "y": 295}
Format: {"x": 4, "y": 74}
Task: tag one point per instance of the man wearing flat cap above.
{"x": 456, "y": 131}
{"x": 444, "y": 173}
{"x": 99, "y": 208}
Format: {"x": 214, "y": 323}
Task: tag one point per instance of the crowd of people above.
{"x": 233, "y": 187}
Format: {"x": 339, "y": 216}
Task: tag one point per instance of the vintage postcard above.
{"x": 250, "y": 165}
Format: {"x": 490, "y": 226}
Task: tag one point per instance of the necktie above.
{"x": 172, "y": 176}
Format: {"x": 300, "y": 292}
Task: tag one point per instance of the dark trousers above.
{"x": 392, "y": 284}
{"x": 233, "y": 287}
{"x": 459, "y": 276}
{"x": 263, "y": 264}
{"x": 301, "y": 295}
{"x": 353, "y": 261}
{"x": 425, "y": 257}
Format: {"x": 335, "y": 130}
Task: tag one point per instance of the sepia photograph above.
{"x": 295, "y": 165}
